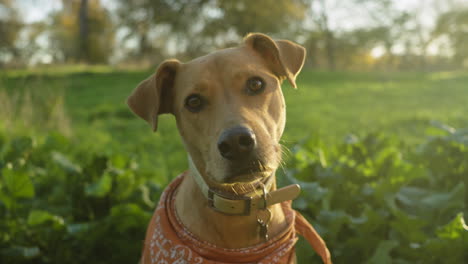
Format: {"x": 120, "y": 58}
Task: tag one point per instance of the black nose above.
{"x": 236, "y": 143}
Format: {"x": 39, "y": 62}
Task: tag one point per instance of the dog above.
{"x": 230, "y": 113}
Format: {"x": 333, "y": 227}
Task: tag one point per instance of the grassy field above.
{"x": 330, "y": 105}
{"x": 93, "y": 190}
{"x": 326, "y": 105}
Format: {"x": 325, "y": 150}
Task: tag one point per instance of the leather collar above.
{"x": 247, "y": 204}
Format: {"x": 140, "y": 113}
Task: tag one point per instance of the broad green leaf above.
{"x": 38, "y": 217}
{"x": 450, "y": 245}
{"x": 18, "y": 183}
{"x": 145, "y": 195}
{"x": 313, "y": 191}
{"x": 78, "y": 228}
{"x": 456, "y": 229}
{"x": 101, "y": 187}
{"x": 55, "y": 140}
{"x": 300, "y": 203}
{"x": 124, "y": 183}
{"x": 463, "y": 223}
{"x": 424, "y": 202}
{"x": 119, "y": 161}
{"x": 6, "y": 199}
{"x": 19, "y": 147}
{"x": 382, "y": 253}
{"x": 129, "y": 216}
{"x": 96, "y": 167}
{"x": 410, "y": 198}
{"x": 335, "y": 221}
{"x": 65, "y": 163}
{"x": 21, "y": 252}
{"x": 439, "y": 201}
{"x": 409, "y": 227}
{"x": 443, "y": 126}
{"x": 375, "y": 221}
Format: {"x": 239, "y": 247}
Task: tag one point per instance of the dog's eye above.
{"x": 255, "y": 85}
{"x": 194, "y": 102}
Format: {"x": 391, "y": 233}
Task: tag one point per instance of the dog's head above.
{"x": 229, "y": 106}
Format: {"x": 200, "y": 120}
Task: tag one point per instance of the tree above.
{"x": 82, "y": 32}
{"x": 353, "y": 48}
{"x": 10, "y": 26}
{"x": 319, "y": 14}
{"x": 194, "y": 27}
{"x": 83, "y": 50}
{"x": 267, "y": 16}
{"x": 453, "y": 25}
{"x": 390, "y": 26}
{"x": 152, "y": 22}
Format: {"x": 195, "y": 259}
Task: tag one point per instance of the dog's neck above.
{"x": 217, "y": 228}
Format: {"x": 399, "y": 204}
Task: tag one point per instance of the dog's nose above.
{"x": 236, "y": 143}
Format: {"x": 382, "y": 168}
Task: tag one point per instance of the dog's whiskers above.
{"x": 234, "y": 190}
{"x": 261, "y": 165}
{"x": 284, "y": 152}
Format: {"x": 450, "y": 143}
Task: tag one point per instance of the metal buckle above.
{"x": 263, "y": 222}
{"x": 264, "y": 196}
{"x": 247, "y": 206}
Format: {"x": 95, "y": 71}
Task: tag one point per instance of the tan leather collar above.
{"x": 243, "y": 205}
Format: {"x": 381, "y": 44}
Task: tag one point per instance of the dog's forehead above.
{"x": 223, "y": 56}
{"x": 223, "y": 61}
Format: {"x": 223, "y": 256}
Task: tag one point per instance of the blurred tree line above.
{"x": 342, "y": 35}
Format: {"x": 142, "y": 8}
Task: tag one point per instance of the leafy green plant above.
{"x": 374, "y": 199}
{"x": 377, "y": 201}
{"x": 54, "y": 209}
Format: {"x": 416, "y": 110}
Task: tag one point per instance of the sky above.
{"x": 37, "y": 10}
{"x": 343, "y": 14}
{"x": 341, "y": 18}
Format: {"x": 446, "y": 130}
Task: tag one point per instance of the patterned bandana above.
{"x": 169, "y": 242}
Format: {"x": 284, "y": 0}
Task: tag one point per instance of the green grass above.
{"x": 330, "y": 105}
{"x": 334, "y": 104}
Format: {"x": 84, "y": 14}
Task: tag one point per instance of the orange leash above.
{"x": 305, "y": 229}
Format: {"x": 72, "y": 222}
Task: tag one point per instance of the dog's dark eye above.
{"x": 255, "y": 85}
{"x": 194, "y": 102}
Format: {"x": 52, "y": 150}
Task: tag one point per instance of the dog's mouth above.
{"x": 247, "y": 174}
{"x": 245, "y": 180}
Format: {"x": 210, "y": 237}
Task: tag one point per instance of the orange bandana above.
{"x": 168, "y": 241}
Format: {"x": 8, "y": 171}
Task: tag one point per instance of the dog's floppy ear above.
{"x": 285, "y": 57}
{"x": 153, "y": 96}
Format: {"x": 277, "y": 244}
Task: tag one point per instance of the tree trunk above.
{"x": 312, "y": 52}
{"x": 83, "y": 22}
{"x": 390, "y": 58}
{"x": 143, "y": 45}
{"x": 330, "y": 46}
{"x": 327, "y": 34}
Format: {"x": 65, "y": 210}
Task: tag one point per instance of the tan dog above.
{"x": 230, "y": 113}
